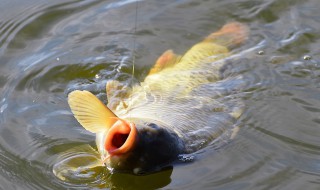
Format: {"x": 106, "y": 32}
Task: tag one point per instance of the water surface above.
{"x": 48, "y": 49}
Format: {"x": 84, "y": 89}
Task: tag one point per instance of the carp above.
{"x": 176, "y": 109}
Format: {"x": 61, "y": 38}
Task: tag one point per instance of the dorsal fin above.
{"x": 216, "y": 45}
{"x": 90, "y": 112}
{"x": 167, "y": 59}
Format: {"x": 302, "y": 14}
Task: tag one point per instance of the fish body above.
{"x": 174, "y": 111}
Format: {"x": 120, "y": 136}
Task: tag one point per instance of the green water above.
{"x": 49, "y": 48}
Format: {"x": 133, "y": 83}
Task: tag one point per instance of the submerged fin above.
{"x": 116, "y": 93}
{"x": 234, "y": 131}
{"x": 230, "y": 34}
{"x": 111, "y": 87}
{"x": 167, "y": 59}
{"x": 81, "y": 162}
{"x": 90, "y": 112}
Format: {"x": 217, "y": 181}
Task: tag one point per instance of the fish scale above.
{"x": 172, "y": 103}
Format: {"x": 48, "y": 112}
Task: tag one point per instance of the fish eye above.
{"x": 152, "y": 125}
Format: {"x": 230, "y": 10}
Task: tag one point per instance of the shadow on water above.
{"x": 79, "y": 164}
{"x": 152, "y": 181}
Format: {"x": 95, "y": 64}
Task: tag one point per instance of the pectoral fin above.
{"x": 167, "y": 59}
{"x": 90, "y": 112}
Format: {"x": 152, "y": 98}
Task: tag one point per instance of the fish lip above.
{"x": 124, "y": 128}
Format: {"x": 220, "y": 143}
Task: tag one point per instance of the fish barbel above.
{"x": 174, "y": 111}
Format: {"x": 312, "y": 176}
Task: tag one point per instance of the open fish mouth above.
{"x": 120, "y": 138}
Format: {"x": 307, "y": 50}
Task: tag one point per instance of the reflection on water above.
{"x": 48, "y": 49}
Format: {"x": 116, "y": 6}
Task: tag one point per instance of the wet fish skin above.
{"x": 146, "y": 127}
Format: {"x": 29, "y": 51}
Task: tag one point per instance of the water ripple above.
{"x": 48, "y": 49}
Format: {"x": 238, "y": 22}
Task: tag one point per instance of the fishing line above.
{"x": 134, "y": 38}
{"x": 134, "y": 45}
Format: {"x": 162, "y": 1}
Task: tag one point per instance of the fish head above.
{"x": 126, "y": 144}
{"x": 140, "y": 147}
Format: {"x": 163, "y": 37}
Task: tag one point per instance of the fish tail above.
{"x": 231, "y": 34}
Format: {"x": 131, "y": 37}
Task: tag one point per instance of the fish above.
{"x": 178, "y": 109}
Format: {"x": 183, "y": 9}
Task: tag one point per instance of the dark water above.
{"x": 49, "y": 48}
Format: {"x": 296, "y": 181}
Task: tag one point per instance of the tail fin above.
{"x": 230, "y": 34}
